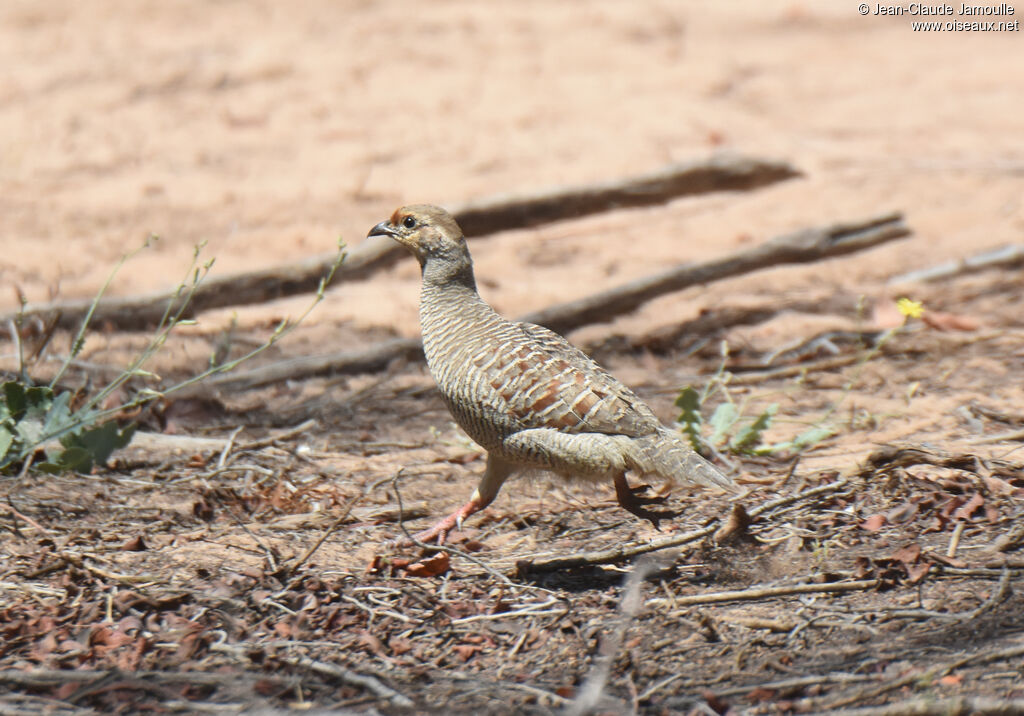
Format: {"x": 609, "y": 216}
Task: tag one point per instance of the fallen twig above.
{"x": 755, "y": 593}
{"x": 722, "y": 173}
{"x": 930, "y": 706}
{"x": 982, "y": 657}
{"x": 591, "y": 691}
{"x": 346, "y": 676}
{"x": 798, "y": 682}
{"x": 698, "y": 330}
{"x": 800, "y": 247}
{"x": 619, "y": 554}
{"x": 1003, "y": 257}
{"x": 53, "y": 677}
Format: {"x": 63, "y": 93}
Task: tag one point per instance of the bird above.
{"x": 525, "y": 394}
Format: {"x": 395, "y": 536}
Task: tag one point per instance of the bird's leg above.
{"x": 633, "y": 503}
{"x": 495, "y": 474}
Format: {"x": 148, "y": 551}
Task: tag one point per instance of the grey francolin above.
{"x": 526, "y": 395}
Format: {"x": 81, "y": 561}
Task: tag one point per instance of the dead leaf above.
{"x": 992, "y": 514}
{"x": 736, "y": 526}
{"x": 999, "y": 486}
{"x": 951, "y": 680}
{"x": 399, "y": 645}
{"x": 466, "y": 651}
{"x": 903, "y": 513}
{"x": 909, "y": 554}
{"x": 135, "y": 544}
{"x": 372, "y": 643}
{"x": 917, "y": 572}
{"x": 874, "y": 523}
{"x": 430, "y": 567}
{"x": 761, "y": 694}
{"x": 942, "y": 321}
{"x": 965, "y": 511}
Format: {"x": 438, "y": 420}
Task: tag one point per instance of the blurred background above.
{"x": 269, "y": 129}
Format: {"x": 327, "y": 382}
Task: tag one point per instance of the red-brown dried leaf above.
{"x": 190, "y": 644}
{"x": 399, "y": 646}
{"x": 917, "y": 572}
{"x": 965, "y": 511}
{"x": 998, "y": 486}
{"x": 196, "y": 461}
{"x": 909, "y": 554}
{"x": 873, "y": 523}
{"x": 44, "y": 647}
{"x": 129, "y": 659}
{"x": 466, "y": 651}
{"x": 372, "y": 643}
{"x": 203, "y": 510}
{"x": 266, "y": 687}
{"x": 992, "y": 514}
{"x": 942, "y": 321}
{"x": 761, "y": 694}
{"x": 714, "y": 701}
{"x": 135, "y": 544}
{"x": 430, "y": 567}
{"x": 65, "y": 691}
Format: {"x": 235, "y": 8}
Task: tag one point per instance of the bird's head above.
{"x": 428, "y": 232}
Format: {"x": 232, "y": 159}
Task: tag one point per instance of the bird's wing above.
{"x": 546, "y": 382}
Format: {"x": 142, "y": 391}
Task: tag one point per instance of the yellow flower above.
{"x": 910, "y": 308}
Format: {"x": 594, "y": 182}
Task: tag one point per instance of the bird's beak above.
{"x": 383, "y": 229}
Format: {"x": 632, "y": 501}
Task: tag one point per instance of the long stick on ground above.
{"x": 1003, "y": 257}
{"x": 501, "y": 213}
{"x": 800, "y": 247}
{"x": 624, "y": 552}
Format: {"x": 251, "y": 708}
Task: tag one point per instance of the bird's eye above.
{"x": 409, "y": 222}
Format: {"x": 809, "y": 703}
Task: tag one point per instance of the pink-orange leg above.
{"x": 495, "y": 474}
{"x": 632, "y": 502}
{"x": 441, "y": 528}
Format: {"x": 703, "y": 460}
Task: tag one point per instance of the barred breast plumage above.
{"x": 523, "y": 392}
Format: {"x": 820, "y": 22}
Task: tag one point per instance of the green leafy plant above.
{"x": 30, "y": 415}
{"x": 732, "y": 430}
{"x": 76, "y": 434}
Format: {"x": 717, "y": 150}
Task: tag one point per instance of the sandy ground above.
{"x": 269, "y": 130}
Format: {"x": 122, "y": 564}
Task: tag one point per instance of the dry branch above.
{"x": 757, "y": 593}
{"x": 931, "y": 706}
{"x": 799, "y": 247}
{"x": 619, "y": 554}
{"x": 1005, "y": 257}
{"x": 684, "y": 335}
{"x": 502, "y": 213}
{"x": 592, "y": 689}
{"x": 334, "y": 671}
{"x": 936, "y": 672}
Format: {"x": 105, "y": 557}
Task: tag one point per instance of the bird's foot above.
{"x": 632, "y": 502}
{"x": 439, "y": 531}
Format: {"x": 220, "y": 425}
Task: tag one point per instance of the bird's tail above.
{"x": 666, "y": 454}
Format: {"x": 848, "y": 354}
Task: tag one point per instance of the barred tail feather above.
{"x": 667, "y": 455}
